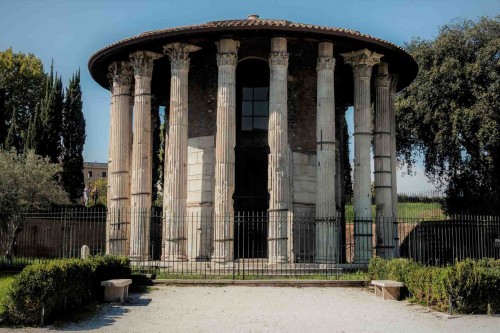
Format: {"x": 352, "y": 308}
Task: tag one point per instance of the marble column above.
{"x": 382, "y": 159}
{"x": 362, "y": 62}
{"x": 120, "y": 135}
{"x": 225, "y": 141}
{"x": 278, "y": 174}
{"x": 393, "y": 79}
{"x": 142, "y": 62}
{"x": 326, "y": 244}
{"x": 175, "y": 175}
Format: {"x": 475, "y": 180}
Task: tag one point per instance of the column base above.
{"x": 138, "y": 257}
{"x": 278, "y": 260}
{"x": 327, "y": 261}
{"x": 174, "y": 258}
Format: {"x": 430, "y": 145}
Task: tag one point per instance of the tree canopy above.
{"x": 451, "y": 113}
{"x": 22, "y": 82}
{"x": 27, "y": 182}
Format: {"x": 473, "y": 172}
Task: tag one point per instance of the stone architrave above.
{"x": 393, "y": 79}
{"x": 362, "y": 62}
{"x": 175, "y": 175}
{"x": 326, "y": 228}
{"x": 278, "y": 175}
{"x": 120, "y": 74}
{"x": 141, "y": 187}
{"x": 225, "y": 141}
{"x": 382, "y": 160}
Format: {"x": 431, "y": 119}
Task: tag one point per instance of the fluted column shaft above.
{"x": 278, "y": 175}
{"x": 120, "y": 76}
{"x": 175, "y": 193}
{"x": 382, "y": 156}
{"x": 142, "y": 62}
{"x": 393, "y": 79}
{"x": 225, "y": 141}
{"x": 326, "y": 229}
{"x": 362, "y": 62}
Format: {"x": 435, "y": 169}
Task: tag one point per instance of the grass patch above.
{"x": 411, "y": 210}
{"x": 6, "y": 280}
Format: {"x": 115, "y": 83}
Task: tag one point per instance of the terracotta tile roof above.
{"x": 252, "y": 24}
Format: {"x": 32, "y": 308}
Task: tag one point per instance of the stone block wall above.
{"x": 201, "y": 161}
{"x": 304, "y": 204}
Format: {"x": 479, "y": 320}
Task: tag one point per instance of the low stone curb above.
{"x": 264, "y": 283}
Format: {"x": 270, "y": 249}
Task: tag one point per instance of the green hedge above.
{"x": 474, "y": 285}
{"x": 59, "y": 286}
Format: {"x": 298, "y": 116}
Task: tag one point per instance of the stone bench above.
{"x": 388, "y": 289}
{"x": 116, "y": 290}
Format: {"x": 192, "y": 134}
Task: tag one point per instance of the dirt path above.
{"x": 271, "y": 309}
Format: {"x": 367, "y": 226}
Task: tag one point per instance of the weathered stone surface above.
{"x": 225, "y": 141}
{"x": 326, "y": 209}
{"x": 278, "y": 174}
{"x": 141, "y": 182}
{"x": 362, "y": 62}
{"x": 175, "y": 175}
{"x": 120, "y": 145}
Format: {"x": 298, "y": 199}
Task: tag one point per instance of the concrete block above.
{"x": 195, "y": 185}
{"x": 193, "y": 142}
{"x": 309, "y": 186}
{"x": 206, "y": 141}
{"x": 194, "y": 196}
{"x": 195, "y": 169}
{"x": 207, "y": 157}
{"x": 192, "y": 158}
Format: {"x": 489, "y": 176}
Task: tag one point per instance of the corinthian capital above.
{"x": 142, "y": 61}
{"x": 178, "y": 53}
{"x": 278, "y": 58}
{"x": 227, "y": 59}
{"x": 362, "y": 61}
{"x": 120, "y": 73}
{"x": 382, "y": 80}
{"x": 325, "y": 63}
{"x": 393, "y": 83}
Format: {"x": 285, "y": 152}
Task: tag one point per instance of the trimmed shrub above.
{"x": 476, "y": 287}
{"x": 59, "y": 286}
{"x": 473, "y": 285}
{"x": 377, "y": 269}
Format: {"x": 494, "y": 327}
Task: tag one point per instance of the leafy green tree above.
{"x": 451, "y": 113}
{"x": 73, "y": 140}
{"x": 101, "y": 185}
{"x": 21, "y": 80}
{"x": 26, "y": 182}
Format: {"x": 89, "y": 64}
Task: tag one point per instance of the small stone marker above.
{"x": 85, "y": 252}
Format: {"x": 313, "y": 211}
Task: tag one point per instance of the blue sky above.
{"x": 70, "y": 31}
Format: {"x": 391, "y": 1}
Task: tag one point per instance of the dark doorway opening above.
{"x": 251, "y": 197}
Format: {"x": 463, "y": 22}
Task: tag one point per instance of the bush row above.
{"x": 47, "y": 291}
{"x": 474, "y": 285}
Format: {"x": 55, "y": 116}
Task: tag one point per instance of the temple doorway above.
{"x": 251, "y": 197}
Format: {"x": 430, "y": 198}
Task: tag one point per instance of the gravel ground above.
{"x": 270, "y": 309}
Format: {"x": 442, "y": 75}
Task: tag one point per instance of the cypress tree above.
{"x": 12, "y": 140}
{"x": 51, "y": 118}
{"x": 2, "y": 116}
{"x": 73, "y": 140}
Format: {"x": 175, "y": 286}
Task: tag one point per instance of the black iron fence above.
{"x": 249, "y": 244}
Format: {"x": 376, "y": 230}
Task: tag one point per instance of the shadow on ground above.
{"x": 102, "y": 316}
